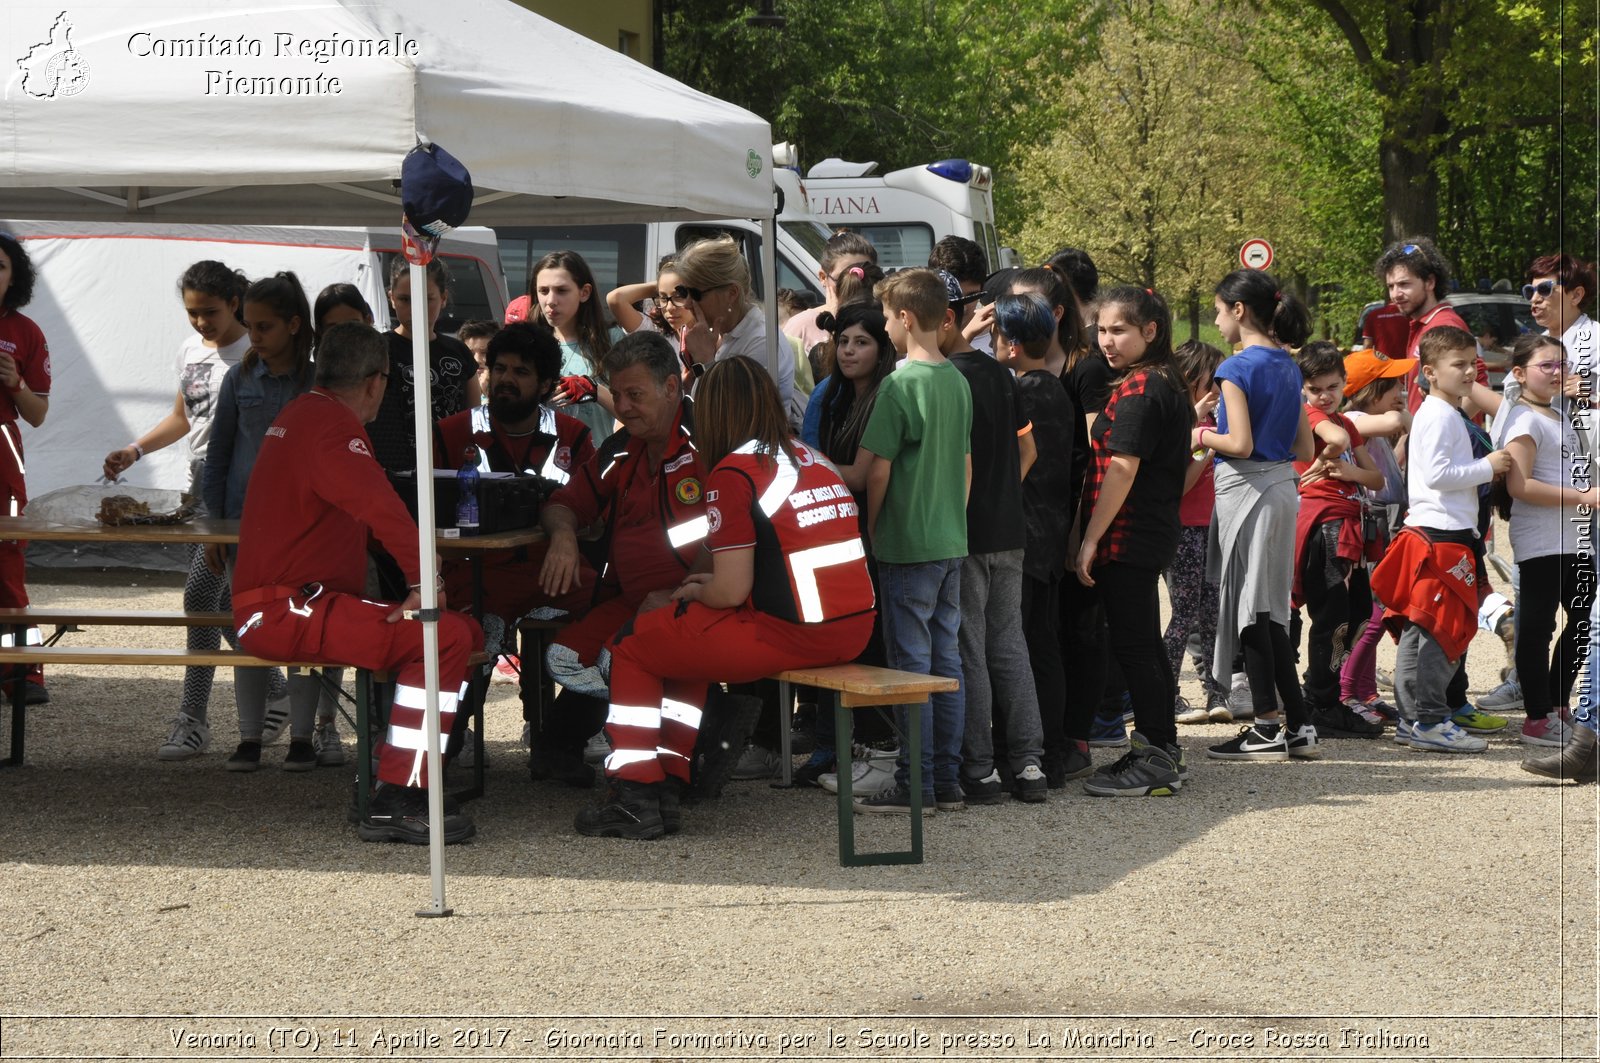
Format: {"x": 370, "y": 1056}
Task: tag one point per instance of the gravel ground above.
{"x": 1395, "y": 904}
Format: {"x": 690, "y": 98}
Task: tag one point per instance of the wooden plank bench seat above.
{"x": 856, "y": 686}
{"x": 36, "y": 616}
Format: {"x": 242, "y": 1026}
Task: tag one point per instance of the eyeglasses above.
{"x": 1555, "y": 365}
{"x": 678, "y": 297}
{"x": 1542, "y": 289}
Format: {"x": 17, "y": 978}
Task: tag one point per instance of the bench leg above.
{"x": 786, "y": 731}
{"x": 18, "y": 688}
{"x": 843, "y": 741}
{"x": 363, "y": 740}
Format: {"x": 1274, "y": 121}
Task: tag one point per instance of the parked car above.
{"x": 1496, "y": 318}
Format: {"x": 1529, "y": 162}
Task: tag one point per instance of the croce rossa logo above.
{"x": 53, "y": 67}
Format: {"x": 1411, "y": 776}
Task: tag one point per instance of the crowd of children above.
{"x": 1030, "y": 459}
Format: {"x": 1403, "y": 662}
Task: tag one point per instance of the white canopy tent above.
{"x": 297, "y": 112}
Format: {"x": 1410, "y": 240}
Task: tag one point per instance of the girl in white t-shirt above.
{"x": 213, "y": 297}
{"x": 668, "y": 313}
{"x": 1550, "y": 536}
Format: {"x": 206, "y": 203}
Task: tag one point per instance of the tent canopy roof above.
{"x": 287, "y": 112}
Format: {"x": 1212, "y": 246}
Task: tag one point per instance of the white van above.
{"x": 107, "y": 301}
{"x": 905, "y": 212}
{"x": 627, "y": 253}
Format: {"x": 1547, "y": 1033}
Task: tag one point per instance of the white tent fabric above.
{"x": 299, "y": 112}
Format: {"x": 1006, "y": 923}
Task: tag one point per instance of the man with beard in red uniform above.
{"x": 315, "y": 495}
{"x": 789, "y": 588}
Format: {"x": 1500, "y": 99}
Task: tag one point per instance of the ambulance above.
{"x": 905, "y": 212}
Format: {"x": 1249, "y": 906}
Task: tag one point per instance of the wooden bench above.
{"x": 857, "y": 686}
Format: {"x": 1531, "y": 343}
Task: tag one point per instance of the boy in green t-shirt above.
{"x": 920, "y": 438}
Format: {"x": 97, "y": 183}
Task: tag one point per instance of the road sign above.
{"x": 1256, "y": 254}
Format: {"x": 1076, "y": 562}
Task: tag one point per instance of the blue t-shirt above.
{"x": 1271, "y": 383}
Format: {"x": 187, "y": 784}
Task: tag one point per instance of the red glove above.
{"x": 578, "y": 388}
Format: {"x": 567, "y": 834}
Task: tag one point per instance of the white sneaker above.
{"x": 1505, "y": 697}
{"x": 1445, "y": 737}
{"x": 326, "y": 742}
{"x": 597, "y": 749}
{"x": 527, "y": 735}
{"x": 866, "y": 776}
{"x": 1239, "y": 703}
{"x": 189, "y": 738}
{"x": 272, "y": 724}
{"x": 468, "y": 757}
{"x": 756, "y": 762}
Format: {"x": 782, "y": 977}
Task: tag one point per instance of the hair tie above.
{"x": 857, "y": 272}
{"x": 1147, "y": 291}
{"x": 1277, "y": 297}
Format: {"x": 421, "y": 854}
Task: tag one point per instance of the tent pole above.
{"x": 429, "y": 564}
{"x": 777, "y": 346}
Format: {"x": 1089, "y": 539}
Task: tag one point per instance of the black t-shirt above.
{"x": 393, "y": 431}
{"x": 1050, "y": 493}
{"x": 994, "y": 509}
{"x": 1088, "y": 382}
{"x": 1146, "y": 418}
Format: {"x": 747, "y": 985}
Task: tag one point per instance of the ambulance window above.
{"x": 469, "y": 295}
{"x": 899, "y": 246}
{"x": 615, "y": 253}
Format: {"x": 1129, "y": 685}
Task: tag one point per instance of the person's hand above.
{"x": 1206, "y": 406}
{"x": 118, "y": 462}
{"x": 412, "y": 603}
{"x": 559, "y": 573}
{"x": 692, "y": 586}
{"x": 1086, "y": 553}
{"x": 982, "y": 321}
{"x": 10, "y": 379}
{"x": 699, "y": 342}
{"x": 1500, "y": 461}
{"x": 655, "y": 600}
{"x": 216, "y": 558}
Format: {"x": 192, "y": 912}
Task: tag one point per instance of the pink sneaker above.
{"x": 1550, "y": 731}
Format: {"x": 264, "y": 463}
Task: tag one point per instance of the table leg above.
{"x": 785, "y": 730}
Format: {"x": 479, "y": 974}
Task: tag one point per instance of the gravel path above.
{"x": 1402, "y": 905}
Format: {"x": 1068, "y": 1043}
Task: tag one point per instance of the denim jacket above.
{"x": 250, "y": 400}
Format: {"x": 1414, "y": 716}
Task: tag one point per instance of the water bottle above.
{"x": 467, "y": 493}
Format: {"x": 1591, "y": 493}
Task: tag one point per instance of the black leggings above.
{"x": 1565, "y": 580}
{"x": 1269, "y": 664}
{"x": 1133, "y": 623}
{"x": 1339, "y": 604}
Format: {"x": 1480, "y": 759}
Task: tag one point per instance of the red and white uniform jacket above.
{"x": 655, "y": 515}
{"x": 1431, "y": 584}
{"x": 314, "y": 493}
{"x": 25, "y": 343}
{"x": 559, "y": 445}
{"x": 810, "y": 563}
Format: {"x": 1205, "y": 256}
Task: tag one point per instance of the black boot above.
{"x": 559, "y": 764}
{"x": 1578, "y": 760}
{"x": 628, "y": 810}
{"x": 400, "y": 814}
{"x": 670, "y": 796}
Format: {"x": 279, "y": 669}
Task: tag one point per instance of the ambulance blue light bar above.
{"x": 957, "y": 170}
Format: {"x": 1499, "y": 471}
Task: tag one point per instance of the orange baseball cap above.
{"x": 1364, "y": 366}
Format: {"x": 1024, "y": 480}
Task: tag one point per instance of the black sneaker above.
{"x": 246, "y": 758}
{"x": 1030, "y": 785}
{"x": 1340, "y": 720}
{"x": 400, "y": 814}
{"x": 628, "y": 810}
{"x": 722, "y": 743}
{"x": 895, "y": 798}
{"x": 985, "y": 791}
{"x": 1144, "y": 771}
{"x": 669, "y": 796}
{"x": 1261, "y": 741}
{"x": 820, "y": 764}
{"x": 563, "y": 765}
{"x": 352, "y": 812}
{"x": 35, "y": 694}
{"x": 952, "y": 800}
{"x": 302, "y": 755}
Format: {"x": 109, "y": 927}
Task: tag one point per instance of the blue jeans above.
{"x": 920, "y": 609}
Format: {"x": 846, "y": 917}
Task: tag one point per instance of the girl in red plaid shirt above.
{"x": 1140, "y": 452}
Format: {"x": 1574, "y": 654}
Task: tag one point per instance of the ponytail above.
{"x": 1274, "y": 310}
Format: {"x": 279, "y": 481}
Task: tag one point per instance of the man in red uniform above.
{"x": 789, "y": 588}
{"x": 24, "y": 393}
{"x": 646, "y": 488}
{"x": 1417, "y": 276}
{"x": 315, "y": 495}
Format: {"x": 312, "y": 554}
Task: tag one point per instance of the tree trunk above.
{"x": 1410, "y": 192}
{"x": 1194, "y": 313}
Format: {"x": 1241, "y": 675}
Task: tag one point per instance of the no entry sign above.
{"x": 1256, "y": 254}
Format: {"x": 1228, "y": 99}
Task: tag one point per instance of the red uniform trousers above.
{"x": 13, "y": 566}
{"x": 345, "y": 629}
{"x": 662, "y": 663}
{"x": 511, "y": 587}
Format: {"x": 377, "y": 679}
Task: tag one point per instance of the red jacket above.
{"x": 1433, "y": 585}
{"x": 559, "y": 445}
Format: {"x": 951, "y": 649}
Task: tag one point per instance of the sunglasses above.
{"x": 1542, "y": 289}
{"x": 684, "y": 292}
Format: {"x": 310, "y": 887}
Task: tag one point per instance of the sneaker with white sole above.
{"x": 1217, "y": 708}
{"x": 1402, "y": 731}
{"x": 1383, "y": 678}
{"x": 1183, "y": 712}
{"x": 756, "y": 762}
{"x": 1261, "y": 741}
{"x": 597, "y": 749}
{"x": 1302, "y": 742}
{"x": 1240, "y": 705}
{"x": 1365, "y": 711}
{"x": 1478, "y": 722}
{"x": 467, "y": 756}
{"x": 326, "y": 741}
{"x": 1550, "y": 731}
{"x": 189, "y": 738}
{"x": 1030, "y": 785}
{"x": 866, "y": 776}
{"x": 1507, "y": 697}
{"x": 1444, "y": 737}
{"x": 272, "y": 723}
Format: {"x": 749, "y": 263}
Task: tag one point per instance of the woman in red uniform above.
{"x": 788, "y": 588}
{"x": 24, "y": 393}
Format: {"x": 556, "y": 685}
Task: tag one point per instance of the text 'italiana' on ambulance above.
{"x": 905, "y": 212}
